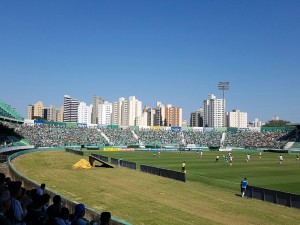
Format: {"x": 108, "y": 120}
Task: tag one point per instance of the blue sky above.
{"x": 160, "y": 50}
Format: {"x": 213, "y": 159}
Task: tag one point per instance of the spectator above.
{"x": 79, "y": 215}
{"x": 36, "y": 215}
{"x": 64, "y": 217}
{"x": 105, "y": 218}
{"x": 53, "y": 210}
{"x": 46, "y": 198}
{"x": 41, "y": 189}
{"x": 5, "y": 204}
{"x": 17, "y": 212}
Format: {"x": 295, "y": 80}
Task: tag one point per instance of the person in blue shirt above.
{"x": 244, "y": 185}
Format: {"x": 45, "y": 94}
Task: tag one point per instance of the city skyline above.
{"x": 169, "y": 51}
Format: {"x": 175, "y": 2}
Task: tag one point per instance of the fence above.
{"x": 163, "y": 172}
{"x": 130, "y": 165}
{"x": 276, "y": 197}
{"x": 74, "y": 151}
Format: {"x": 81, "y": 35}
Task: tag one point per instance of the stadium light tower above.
{"x": 223, "y": 86}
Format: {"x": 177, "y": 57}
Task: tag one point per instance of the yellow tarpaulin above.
{"x": 82, "y": 164}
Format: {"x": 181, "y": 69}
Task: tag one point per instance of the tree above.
{"x": 276, "y": 123}
{"x": 38, "y": 118}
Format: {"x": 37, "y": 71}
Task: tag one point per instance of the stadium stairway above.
{"x": 288, "y": 145}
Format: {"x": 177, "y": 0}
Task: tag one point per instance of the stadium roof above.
{"x": 9, "y": 114}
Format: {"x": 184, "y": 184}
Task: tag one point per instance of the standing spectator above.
{"x": 244, "y": 185}
{"x": 41, "y": 189}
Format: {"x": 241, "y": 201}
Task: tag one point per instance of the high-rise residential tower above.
{"x": 173, "y": 116}
{"x": 70, "y": 109}
{"x": 126, "y": 112}
{"x": 84, "y": 113}
{"x": 104, "y": 113}
{"x": 213, "y": 112}
{"x": 96, "y": 102}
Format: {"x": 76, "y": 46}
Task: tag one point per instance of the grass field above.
{"x": 210, "y": 195}
{"x": 262, "y": 172}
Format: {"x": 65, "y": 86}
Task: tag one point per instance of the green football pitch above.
{"x": 210, "y": 195}
{"x": 264, "y": 171}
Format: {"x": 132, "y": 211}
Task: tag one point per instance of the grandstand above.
{"x": 10, "y": 141}
{"x": 9, "y": 114}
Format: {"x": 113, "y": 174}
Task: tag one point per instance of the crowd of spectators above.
{"x": 266, "y": 139}
{"x": 51, "y": 136}
{"x": 19, "y": 206}
{"x": 120, "y": 137}
{"x": 159, "y": 137}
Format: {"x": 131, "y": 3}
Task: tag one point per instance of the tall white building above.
{"x": 134, "y": 110}
{"x": 126, "y": 112}
{"x": 84, "y": 113}
{"x": 70, "y": 109}
{"x": 104, "y": 113}
{"x": 116, "y": 117}
{"x": 213, "y": 115}
{"x": 238, "y": 119}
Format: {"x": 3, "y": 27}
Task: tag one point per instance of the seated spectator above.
{"x": 79, "y": 215}
{"x": 36, "y": 216}
{"x": 64, "y": 218}
{"x": 5, "y": 204}
{"x": 7, "y": 180}
{"x": 41, "y": 189}
{"x": 46, "y": 198}
{"x": 53, "y": 210}
{"x": 105, "y": 218}
{"x": 17, "y": 211}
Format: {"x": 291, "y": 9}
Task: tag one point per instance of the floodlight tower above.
{"x": 223, "y": 86}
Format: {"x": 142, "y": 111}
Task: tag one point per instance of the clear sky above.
{"x": 171, "y": 51}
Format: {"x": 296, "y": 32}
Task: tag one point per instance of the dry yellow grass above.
{"x": 141, "y": 198}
